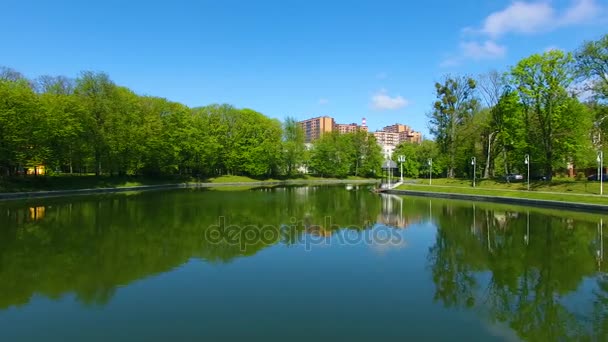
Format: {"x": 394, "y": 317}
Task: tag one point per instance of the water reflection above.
{"x": 95, "y": 244}
{"x": 539, "y": 272}
{"x": 530, "y": 270}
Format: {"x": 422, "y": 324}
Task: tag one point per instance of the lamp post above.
{"x": 600, "y": 169}
{"x": 474, "y": 163}
{"x": 430, "y": 162}
{"x": 401, "y": 160}
{"x": 527, "y": 161}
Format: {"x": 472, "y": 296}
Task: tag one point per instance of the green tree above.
{"x": 330, "y": 156}
{"x": 97, "y": 94}
{"x": 21, "y": 133}
{"x": 293, "y": 145}
{"x": 455, "y": 104}
{"x": 592, "y": 66}
{"x": 542, "y": 82}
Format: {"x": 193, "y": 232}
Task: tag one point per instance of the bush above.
{"x": 580, "y": 176}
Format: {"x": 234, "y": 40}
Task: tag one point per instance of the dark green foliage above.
{"x": 340, "y": 155}
{"x": 92, "y": 125}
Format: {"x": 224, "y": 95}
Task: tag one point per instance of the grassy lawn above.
{"x": 565, "y": 190}
{"x": 566, "y": 185}
{"x": 71, "y": 182}
{"x": 236, "y": 179}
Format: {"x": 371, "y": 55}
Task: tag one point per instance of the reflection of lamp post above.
{"x": 600, "y": 167}
{"x": 430, "y": 162}
{"x": 527, "y": 161}
{"x": 474, "y": 162}
{"x": 401, "y": 160}
{"x": 600, "y": 251}
{"x": 527, "y": 236}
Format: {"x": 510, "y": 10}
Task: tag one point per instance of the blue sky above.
{"x": 347, "y": 59}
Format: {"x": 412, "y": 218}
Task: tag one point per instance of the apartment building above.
{"x": 315, "y": 127}
{"x": 397, "y": 128}
{"x": 349, "y": 128}
{"x": 387, "y": 141}
{"x": 410, "y": 136}
{"x": 406, "y": 133}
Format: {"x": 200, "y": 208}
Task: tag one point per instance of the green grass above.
{"x": 236, "y": 179}
{"x": 565, "y": 185}
{"x": 564, "y": 190}
{"x": 72, "y": 182}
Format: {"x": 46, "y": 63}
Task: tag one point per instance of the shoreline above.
{"x": 578, "y": 206}
{"x": 8, "y": 196}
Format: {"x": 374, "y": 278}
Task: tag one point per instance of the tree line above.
{"x": 92, "y": 125}
{"x": 549, "y": 107}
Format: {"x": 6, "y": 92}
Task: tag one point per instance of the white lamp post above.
{"x": 401, "y": 160}
{"x": 600, "y": 169}
{"x": 430, "y": 162}
{"x": 527, "y": 161}
{"x": 474, "y": 162}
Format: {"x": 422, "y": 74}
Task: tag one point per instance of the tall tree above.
{"x": 542, "y": 82}
{"x": 492, "y": 87}
{"x": 97, "y": 93}
{"x": 592, "y": 66}
{"x": 20, "y": 126}
{"x": 293, "y": 145}
{"x": 455, "y": 103}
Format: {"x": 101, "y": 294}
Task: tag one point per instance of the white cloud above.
{"x": 539, "y": 16}
{"x": 519, "y": 17}
{"x": 382, "y": 101}
{"x": 522, "y": 17}
{"x": 475, "y": 51}
{"x": 581, "y": 11}
{"x": 487, "y": 50}
{"x": 323, "y": 101}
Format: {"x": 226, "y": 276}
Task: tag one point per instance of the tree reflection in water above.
{"x": 91, "y": 245}
{"x": 523, "y": 268}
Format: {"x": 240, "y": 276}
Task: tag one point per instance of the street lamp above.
{"x": 401, "y": 160}
{"x": 600, "y": 169}
{"x": 430, "y": 162}
{"x": 527, "y": 161}
{"x": 474, "y": 162}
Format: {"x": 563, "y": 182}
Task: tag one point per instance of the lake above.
{"x": 297, "y": 263}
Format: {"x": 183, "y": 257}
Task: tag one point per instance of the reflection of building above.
{"x": 37, "y": 213}
{"x": 392, "y": 213}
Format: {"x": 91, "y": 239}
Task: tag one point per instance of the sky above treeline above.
{"x": 347, "y": 59}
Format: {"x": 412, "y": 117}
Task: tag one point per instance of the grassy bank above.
{"x": 564, "y": 190}
{"x": 73, "y": 182}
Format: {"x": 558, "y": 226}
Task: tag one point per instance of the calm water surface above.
{"x": 298, "y": 263}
